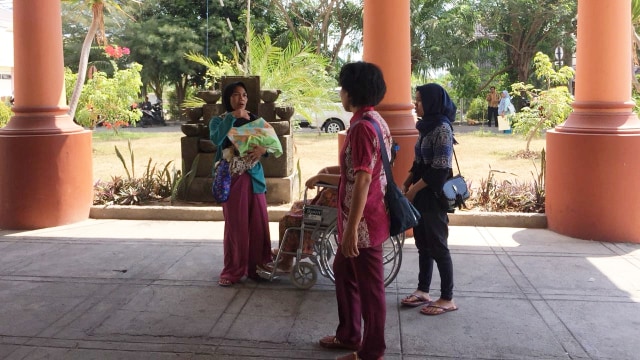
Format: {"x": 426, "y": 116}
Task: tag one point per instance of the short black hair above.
{"x": 228, "y": 91}
{"x": 363, "y": 82}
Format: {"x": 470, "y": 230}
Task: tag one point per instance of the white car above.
{"x": 329, "y": 121}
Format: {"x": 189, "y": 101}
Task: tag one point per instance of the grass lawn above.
{"x": 478, "y": 153}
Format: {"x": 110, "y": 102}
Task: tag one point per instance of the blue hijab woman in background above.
{"x": 505, "y": 107}
{"x": 432, "y": 166}
{"x": 505, "y": 110}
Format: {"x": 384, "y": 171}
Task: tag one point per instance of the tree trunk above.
{"x": 181, "y": 91}
{"x": 82, "y": 67}
{"x": 533, "y": 132}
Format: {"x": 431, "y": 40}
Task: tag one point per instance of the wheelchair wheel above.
{"x": 303, "y": 275}
{"x": 328, "y": 248}
{"x": 391, "y": 255}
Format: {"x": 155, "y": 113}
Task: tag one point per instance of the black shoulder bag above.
{"x": 402, "y": 214}
{"x": 455, "y": 189}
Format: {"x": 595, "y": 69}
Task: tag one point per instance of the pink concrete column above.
{"x": 387, "y": 43}
{"x": 46, "y": 163}
{"x": 592, "y": 159}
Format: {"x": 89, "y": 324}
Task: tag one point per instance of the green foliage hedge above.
{"x": 477, "y": 109}
{"x": 5, "y": 114}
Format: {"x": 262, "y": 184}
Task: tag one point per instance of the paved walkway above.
{"x": 126, "y": 289}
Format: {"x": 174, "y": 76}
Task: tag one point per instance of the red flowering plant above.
{"x": 116, "y": 51}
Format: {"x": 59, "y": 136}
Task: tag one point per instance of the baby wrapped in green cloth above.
{"x": 257, "y": 132}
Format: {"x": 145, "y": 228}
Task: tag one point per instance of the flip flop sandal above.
{"x": 332, "y": 342}
{"x": 414, "y": 300}
{"x": 439, "y": 310}
{"x": 225, "y": 282}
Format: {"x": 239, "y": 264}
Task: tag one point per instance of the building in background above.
{"x": 6, "y": 54}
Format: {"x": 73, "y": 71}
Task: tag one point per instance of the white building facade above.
{"x": 6, "y": 53}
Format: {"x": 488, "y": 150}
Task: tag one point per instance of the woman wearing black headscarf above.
{"x": 432, "y": 166}
{"x": 247, "y": 242}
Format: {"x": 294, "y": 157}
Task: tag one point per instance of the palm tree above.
{"x": 98, "y": 7}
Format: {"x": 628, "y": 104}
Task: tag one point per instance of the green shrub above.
{"x": 477, "y": 109}
{"x": 5, "y": 114}
{"x": 548, "y": 109}
{"x": 157, "y": 183}
{"x": 107, "y": 98}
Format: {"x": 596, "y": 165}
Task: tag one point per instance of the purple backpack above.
{"x": 221, "y": 182}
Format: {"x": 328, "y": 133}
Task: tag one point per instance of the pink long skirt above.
{"x": 247, "y": 241}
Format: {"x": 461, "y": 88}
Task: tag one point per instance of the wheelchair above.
{"x": 317, "y": 246}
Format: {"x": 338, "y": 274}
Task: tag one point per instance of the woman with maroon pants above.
{"x": 247, "y": 242}
{"x": 363, "y": 223}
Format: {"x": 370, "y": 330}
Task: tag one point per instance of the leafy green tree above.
{"x": 441, "y": 34}
{"x": 159, "y": 44}
{"x": 324, "y": 25}
{"x": 166, "y": 30}
{"x": 76, "y": 20}
{"x": 466, "y": 79}
{"x": 525, "y": 27}
{"x": 544, "y": 71}
{"x": 444, "y": 35}
{"x": 548, "y": 107}
{"x": 498, "y": 36}
{"x": 96, "y": 30}
{"x": 160, "y": 32}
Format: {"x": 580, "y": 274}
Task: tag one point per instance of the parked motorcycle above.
{"x": 153, "y": 116}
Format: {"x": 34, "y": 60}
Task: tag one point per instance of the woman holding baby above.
{"x": 247, "y": 241}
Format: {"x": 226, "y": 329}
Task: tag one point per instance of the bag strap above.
{"x": 383, "y": 150}
{"x": 455, "y": 157}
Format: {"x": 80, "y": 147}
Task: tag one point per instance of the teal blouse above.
{"x": 218, "y": 129}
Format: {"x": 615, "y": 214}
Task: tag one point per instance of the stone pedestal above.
{"x": 211, "y": 110}
{"x": 282, "y": 166}
{"x": 283, "y": 190}
{"x": 267, "y": 111}
{"x": 280, "y": 190}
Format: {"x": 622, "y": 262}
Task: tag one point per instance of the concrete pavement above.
{"x": 142, "y": 289}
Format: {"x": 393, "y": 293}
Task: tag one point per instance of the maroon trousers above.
{"x": 247, "y": 241}
{"x": 361, "y": 300}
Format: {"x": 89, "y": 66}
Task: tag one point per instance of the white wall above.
{"x": 6, "y": 53}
